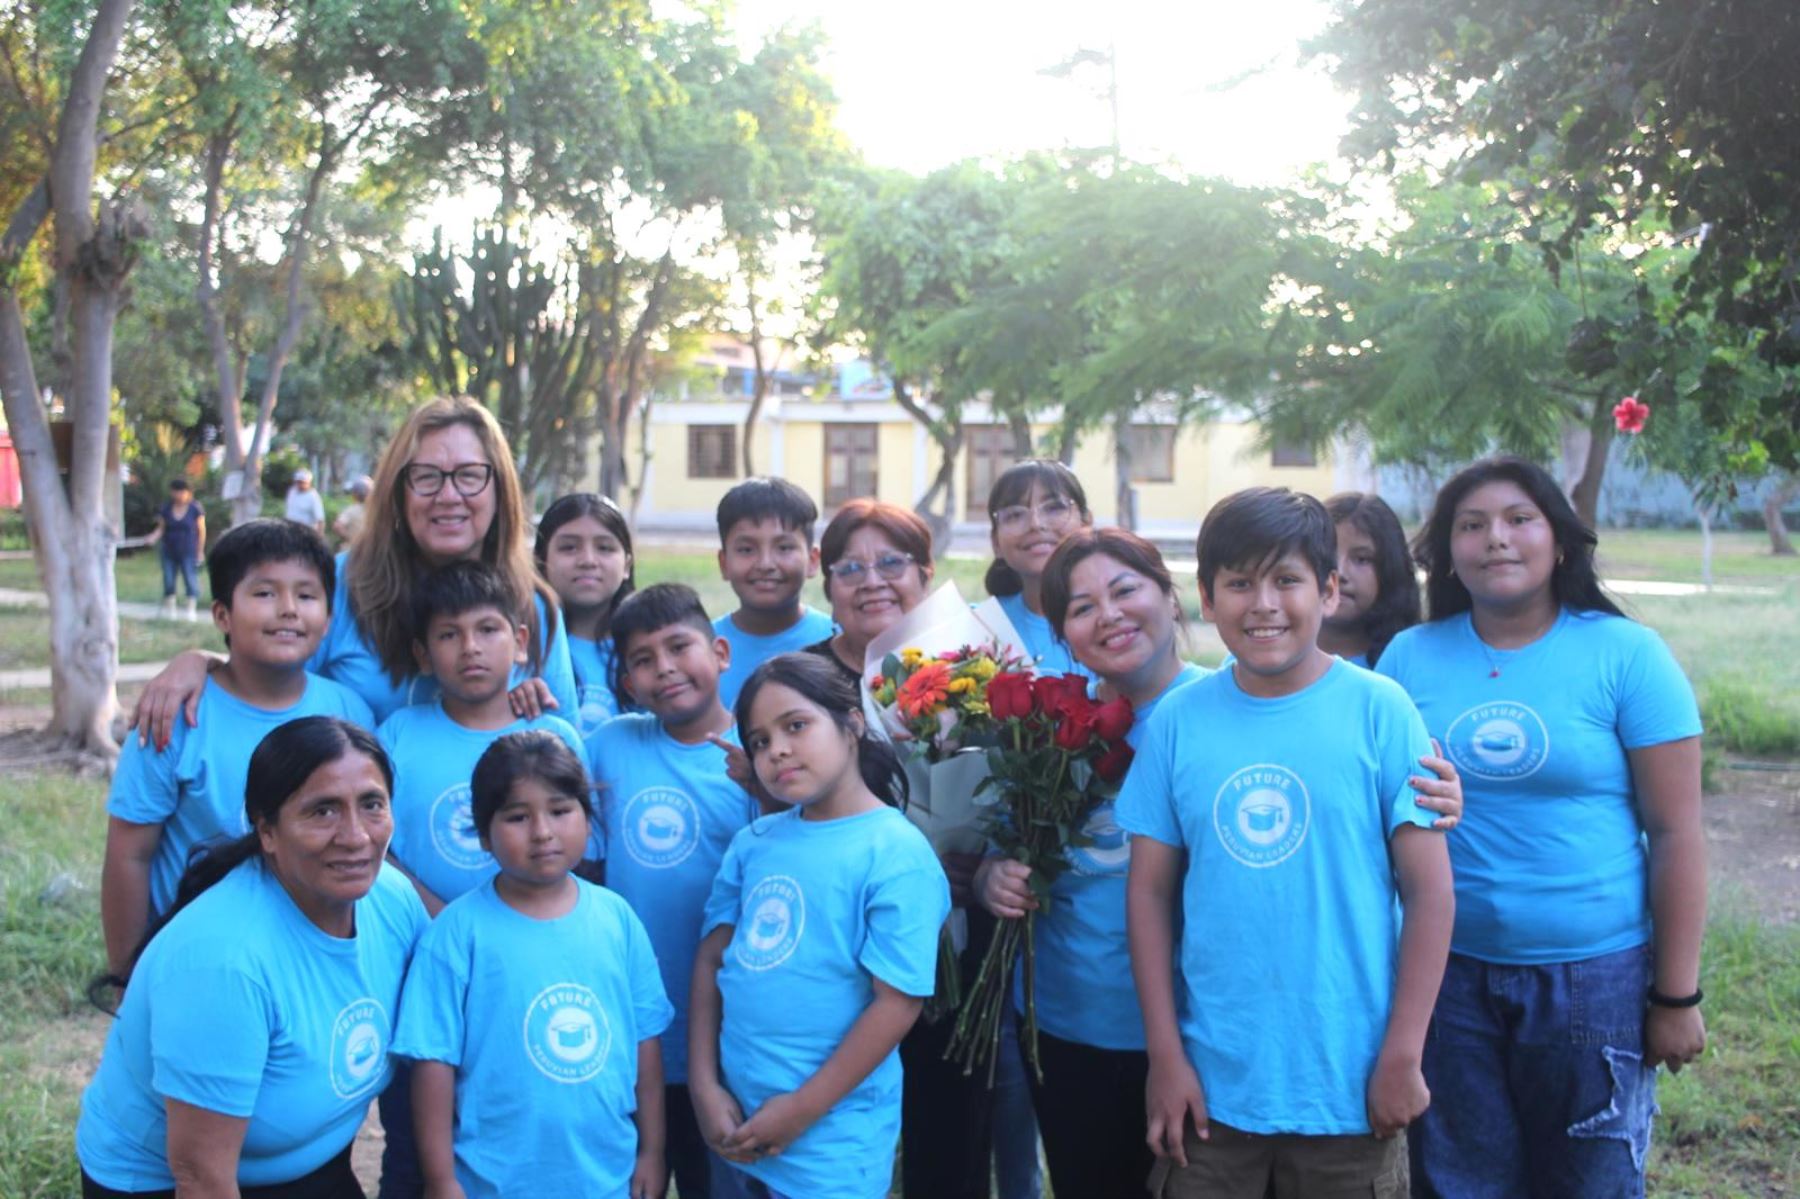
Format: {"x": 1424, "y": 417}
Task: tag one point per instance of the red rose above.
{"x": 1112, "y": 719}
{"x": 1112, "y": 765}
{"x": 1058, "y": 694}
{"x": 1009, "y": 695}
{"x": 1075, "y": 729}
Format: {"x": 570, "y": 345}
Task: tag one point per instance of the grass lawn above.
{"x": 25, "y": 634}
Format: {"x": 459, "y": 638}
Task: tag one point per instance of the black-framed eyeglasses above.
{"x": 469, "y": 478}
{"x": 852, "y": 571}
{"x": 1052, "y": 513}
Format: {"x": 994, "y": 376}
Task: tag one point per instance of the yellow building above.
{"x": 857, "y": 441}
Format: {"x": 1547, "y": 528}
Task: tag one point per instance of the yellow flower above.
{"x": 962, "y": 686}
{"x": 983, "y": 668}
{"x": 977, "y": 707}
{"x": 910, "y": 657}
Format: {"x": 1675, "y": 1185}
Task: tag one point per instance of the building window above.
{"x": 1294, "y": 453}
{"x": 850, "y": 454}
{"x": 1151, "y": 452}
{"x": 712, "y": 452}
{"x": 991, "y": 450}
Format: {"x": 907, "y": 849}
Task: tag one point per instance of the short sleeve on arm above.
{"x": 905, "y": 904}
{"x": 432, "y": 1004}
{"x": 210, "y": 1029}
{"x": 1146, "y": 803}
{"x": 649, "y": 1002}
{"x": 1656, "y": 702}
{"x": 556, "y": 667}
{"x": 1404, "y": 741}
{"x": 723, "y": 903}
{"x": 145, "y": 788}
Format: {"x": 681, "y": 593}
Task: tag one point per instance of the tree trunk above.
{"x": 947, "y": 431}
{"x": 1779, "y": 497}
{"x": 1704, "y": 510}
{"x": 228, "y": 368}
{"x": 1585, "y": 495}
{"x": 760, "y": 381}
{"x": 248, "y": 504}
{"x": 1024, "y": 445}
{"x": 74, "y": 545}
{"x": 1125, "y": 496}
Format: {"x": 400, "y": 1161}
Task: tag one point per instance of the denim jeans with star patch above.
{"x": 1538, "y": 1084}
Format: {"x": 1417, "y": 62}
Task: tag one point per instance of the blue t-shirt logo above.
{"x": 1502, "y": 740}
{"x": 596, "y": 705}
{"x": 1262, "y": 814}
{"x": 661, "y": 827}
{"x": 1108, "y": 853}
{"x": 453, "y": 829}
{"x": 359, "y": 1039}
{"x": 774, "y": 917}
{"x": 567, "y": 1034}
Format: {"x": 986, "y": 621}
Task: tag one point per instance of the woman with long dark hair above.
{"x": 1580, "y": 864}
{"x": 1378, "y": 595}
{"x": 258, "y": 1013}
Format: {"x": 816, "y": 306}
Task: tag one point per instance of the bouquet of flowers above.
{"x": 1060, "y": 756}
{"x": 937, "y": 708}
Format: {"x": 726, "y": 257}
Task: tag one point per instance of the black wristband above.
{"x": 1658, "y": 999}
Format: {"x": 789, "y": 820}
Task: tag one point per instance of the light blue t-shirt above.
{"x": 542, "y": 1020}
{"x": 243, "y": 1006}
{"x": 749, "y": 651}
{"x": 434, "y": 825}
{"x": 1361, "y": 660}
{"x": 346, "y": 655}
{"x": 1290, "y": 934}
{"x": 1549, "y": 858}
{"x": 593, "y": 663}
{"x": 821, "y": 909}
{"x": 1084, "y": 988}
{"x": 1051, "y": 653}
{"x": 194, "y": 787}
{"x": 667, "y": 814}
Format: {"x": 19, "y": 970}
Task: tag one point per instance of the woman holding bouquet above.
{"x": 877, "y": 566}
{"x": 1111, "y": 599}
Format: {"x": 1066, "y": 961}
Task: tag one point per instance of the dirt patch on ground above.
{"x": 1753, "y": 839}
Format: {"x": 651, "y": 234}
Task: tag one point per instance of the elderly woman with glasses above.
{"x": 876, "y": 559}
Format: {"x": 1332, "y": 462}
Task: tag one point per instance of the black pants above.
{"x": 684, "y": 1148}
{"x": 1090, "y": 1110}
{"x": 333, "y": 1180}
{"x": 946, "y": 1116}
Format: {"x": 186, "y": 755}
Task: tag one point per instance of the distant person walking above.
{"x": 349, "y": 522}
{"x": 180, "y": 538}
{"x": 303, "y": 503}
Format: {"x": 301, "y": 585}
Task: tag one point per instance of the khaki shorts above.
{"x": 1232, "y": 1164}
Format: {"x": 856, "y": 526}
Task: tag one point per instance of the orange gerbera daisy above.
{"x": 925, "y": 691}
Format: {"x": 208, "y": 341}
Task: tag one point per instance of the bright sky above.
{"x": 1218, "y": 88}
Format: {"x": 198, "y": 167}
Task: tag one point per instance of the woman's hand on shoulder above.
{"x": 173, "y": 693}
{"x": 1004, "y": 888}
{"x": 531, "y": 699}
{"x": 1441, "y": 793}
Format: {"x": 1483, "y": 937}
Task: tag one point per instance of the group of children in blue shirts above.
{"x": 1291, "y": 910}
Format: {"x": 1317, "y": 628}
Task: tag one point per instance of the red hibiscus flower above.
{"x": 1009, "y": 695}
{"x": 1112, "y": 719}
{"x": 1630, "y": 413}
{"x": 1112, "y": 765}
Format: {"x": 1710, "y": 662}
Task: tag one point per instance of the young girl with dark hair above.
{"x": 255, "y": 1029}
{"x": 1032, "y": 506}
{"x": 574, "y": 1106}
{"x": 1378, "y": 594}
{"x": 820, "y": 946}
{"x": 584, "y": 551}
{"x": 1580, "y": 868}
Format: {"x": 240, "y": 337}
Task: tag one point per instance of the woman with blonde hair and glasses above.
{"x": 444, "y": 491}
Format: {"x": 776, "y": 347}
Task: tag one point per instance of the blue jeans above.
{"x": 1538, "y": 1083}
{"x": 190, "y": 576}
{"x": 1016, "y": 1171}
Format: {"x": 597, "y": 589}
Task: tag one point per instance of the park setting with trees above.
{"x": 664, "y": 247}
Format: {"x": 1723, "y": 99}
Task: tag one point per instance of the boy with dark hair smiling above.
{"x": 668, "y": 811}
{"x": 271, "y": 583}
{"x": 468, "y": 636}
{"x": 1278, "y": 795}
{"x": 766, "y": 553}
